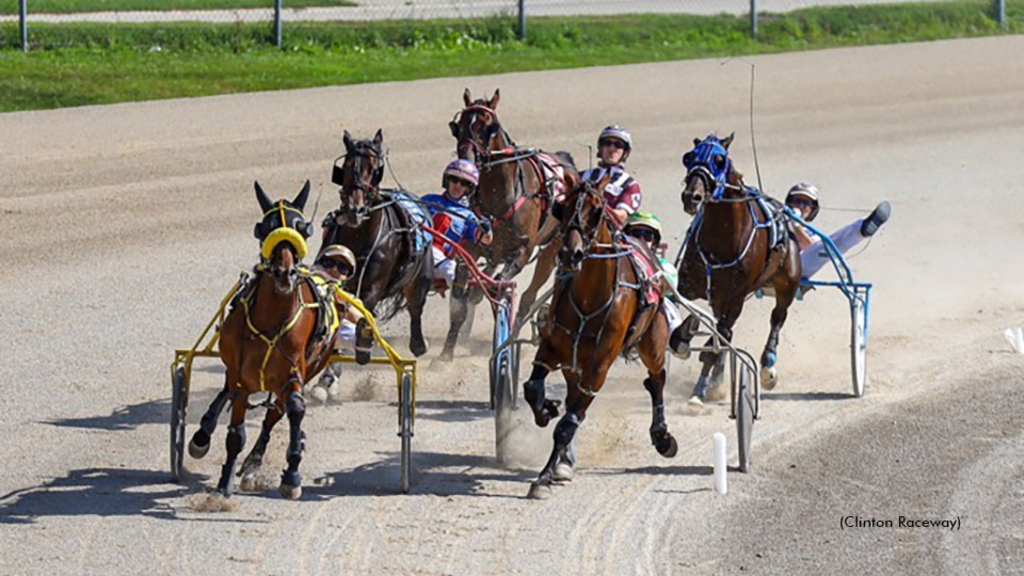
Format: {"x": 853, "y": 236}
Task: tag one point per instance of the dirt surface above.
{"x": 124, "y": 225}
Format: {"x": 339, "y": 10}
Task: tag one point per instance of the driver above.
{"x": 338, "y": 263}
{"x": 803, "y": 199}
{"x": 451, "y": 216}
{"x": 646, "y": 227}
{"x": 622, "y": 192}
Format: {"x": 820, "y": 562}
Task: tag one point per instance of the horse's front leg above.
{"x": 652, "y": 353}
{"x": 295, "y": 407}
{"x": 234, "y": 443}
{"x": 516, "y": 262}
{"x": 200, "y": 443}
{"x": 254, "y": 460}
{"x": 534, "y": 391}
{"x": 565, "y": 431}
{"x": 416, "y": 296}
{"x": 786, "y": 282}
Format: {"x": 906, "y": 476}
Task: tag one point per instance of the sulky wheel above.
{"x": 179, "y": 402}
{"x": 744, "y": 419}
{"x": 858, "y": 346}
{"x": 406, "y": 429}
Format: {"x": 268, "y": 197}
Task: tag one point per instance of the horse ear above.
{"x": 378, "y": 138}
{"x": 696, "y": 141}
{"x": 728, "y": 140}
{"x": 494, "y": 99}
{"x": 300, "y": 200}
{"x": 347, "y": 139}
{"x": 454, "y": 128}
{"x": 467, "y": 98}
{"x": 265, "y": 203}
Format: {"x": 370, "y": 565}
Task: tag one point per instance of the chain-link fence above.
{"x": 40, "y": 23}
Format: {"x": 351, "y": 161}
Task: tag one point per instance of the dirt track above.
{"x": 124, "y": 225}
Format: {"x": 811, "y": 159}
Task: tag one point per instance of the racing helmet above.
{"x": 461, "y": 168}
{"x": 808, "y": 191}
{"x": 339, "y": 252}
{"x": 616, "y": 131}
{"x": 647, "y": 220}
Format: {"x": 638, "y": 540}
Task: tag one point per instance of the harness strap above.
{"x": 272, "y": 342}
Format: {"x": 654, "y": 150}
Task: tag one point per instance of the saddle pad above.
{"x": 417, "y": 216}
{"x": 646, "y": 268}
{"x": 553, "y": 174}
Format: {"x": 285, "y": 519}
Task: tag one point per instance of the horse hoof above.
{"x": 539, "y": 491}
{"x": 769, "y": 378}
{"x": 362, "y": 357}
{"x": 196, "y": 451}
{"x": 319, "y": 394}
{"x": 291, "y": 492}
{"x": 418, "y": 348}
{"x": 768, "y": 359}
{"x": 696, "y": 401}
{"x": 667, "y": 448}
{"x": 563, "y": 472}
{"x": 248, "y": 483}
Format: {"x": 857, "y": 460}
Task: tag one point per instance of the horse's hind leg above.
{"x": 254, "y": 460}
{"x": 295, "y": 407}
{"x": 416, "y": 296}
{"x": 652, "y": 353}
{"x": 200, "y": 443}
{"x": 458, "y": 310}
{"x": 234, "y": 443}
{"x": 541, "y": 272}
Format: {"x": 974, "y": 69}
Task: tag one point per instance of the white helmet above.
{"x": 807, "y": 190}
{"x": 616, "y": 131}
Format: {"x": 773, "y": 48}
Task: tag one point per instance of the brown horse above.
{"x": 738, "y": 242}
{"x": 394, "y": 256}
{"x": 271, "y": 341}
{"x": 599, "y": 310}
{"x": 515, "y": 192}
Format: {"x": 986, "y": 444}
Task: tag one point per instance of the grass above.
{"x": 68, "y": 6}
{"x": 93, "y": 64}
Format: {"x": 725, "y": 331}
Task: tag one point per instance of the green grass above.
{"x": 91, "y": 64}
{"x": 67, "y": 6}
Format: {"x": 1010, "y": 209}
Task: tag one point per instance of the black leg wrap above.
{"x": 658, "y": 424}
{"x": 566, "y": 429}
{"x": 235, "y": 439}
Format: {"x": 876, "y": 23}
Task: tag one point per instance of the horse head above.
{"x": 282, "y": 233}
{"x": 710, "y": 174}
{"x": 580, "y": 228}
{"x": 475, "y": 126}
{"x": 359, "y": 177}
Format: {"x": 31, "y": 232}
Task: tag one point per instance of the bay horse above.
{"x": 738, "y": 241}
{"x": 272, "y": 340}
{"x": 395, "y": 263}
{"x": 517, "y": 186}
{"x": 599, "y": 310}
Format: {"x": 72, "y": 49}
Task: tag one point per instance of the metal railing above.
{"x": 280, "y": 15}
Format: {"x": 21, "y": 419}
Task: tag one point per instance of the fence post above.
{"x": 23, "y": 19}
{"x": 277, "y": 23}
{"x": 522, "y": 20}
{"x": 1001, "y": 13}
{"x": 753, "y": 19}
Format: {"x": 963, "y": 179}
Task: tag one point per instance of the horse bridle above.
{"x": 480, "y": 150}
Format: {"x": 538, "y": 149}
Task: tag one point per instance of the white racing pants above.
{"x": 444, "y": 267}
{"x": 814, "y": 257}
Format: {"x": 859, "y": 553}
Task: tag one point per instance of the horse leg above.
{"x": 541, "y": 272}
{"x": 563, "y": 435}
{"x": 711, "y": 360}
{"x": 534, "y": 391}
{"x": 515, "y": 264}
{"x": 295, "y": 407}
{"x": 786, "y": 283}
{"x": 416, "y": 296}
{"x": 200, "y": 443}
{"x": 652, "y": 353}
{"x": 254, "y": 460}
{"x": 234, "y": 443}
{"x": 458, "y": 310}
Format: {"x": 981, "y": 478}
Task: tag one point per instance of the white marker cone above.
{"x": 720, "y": 485}
{"x": 1015, "y": 336}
